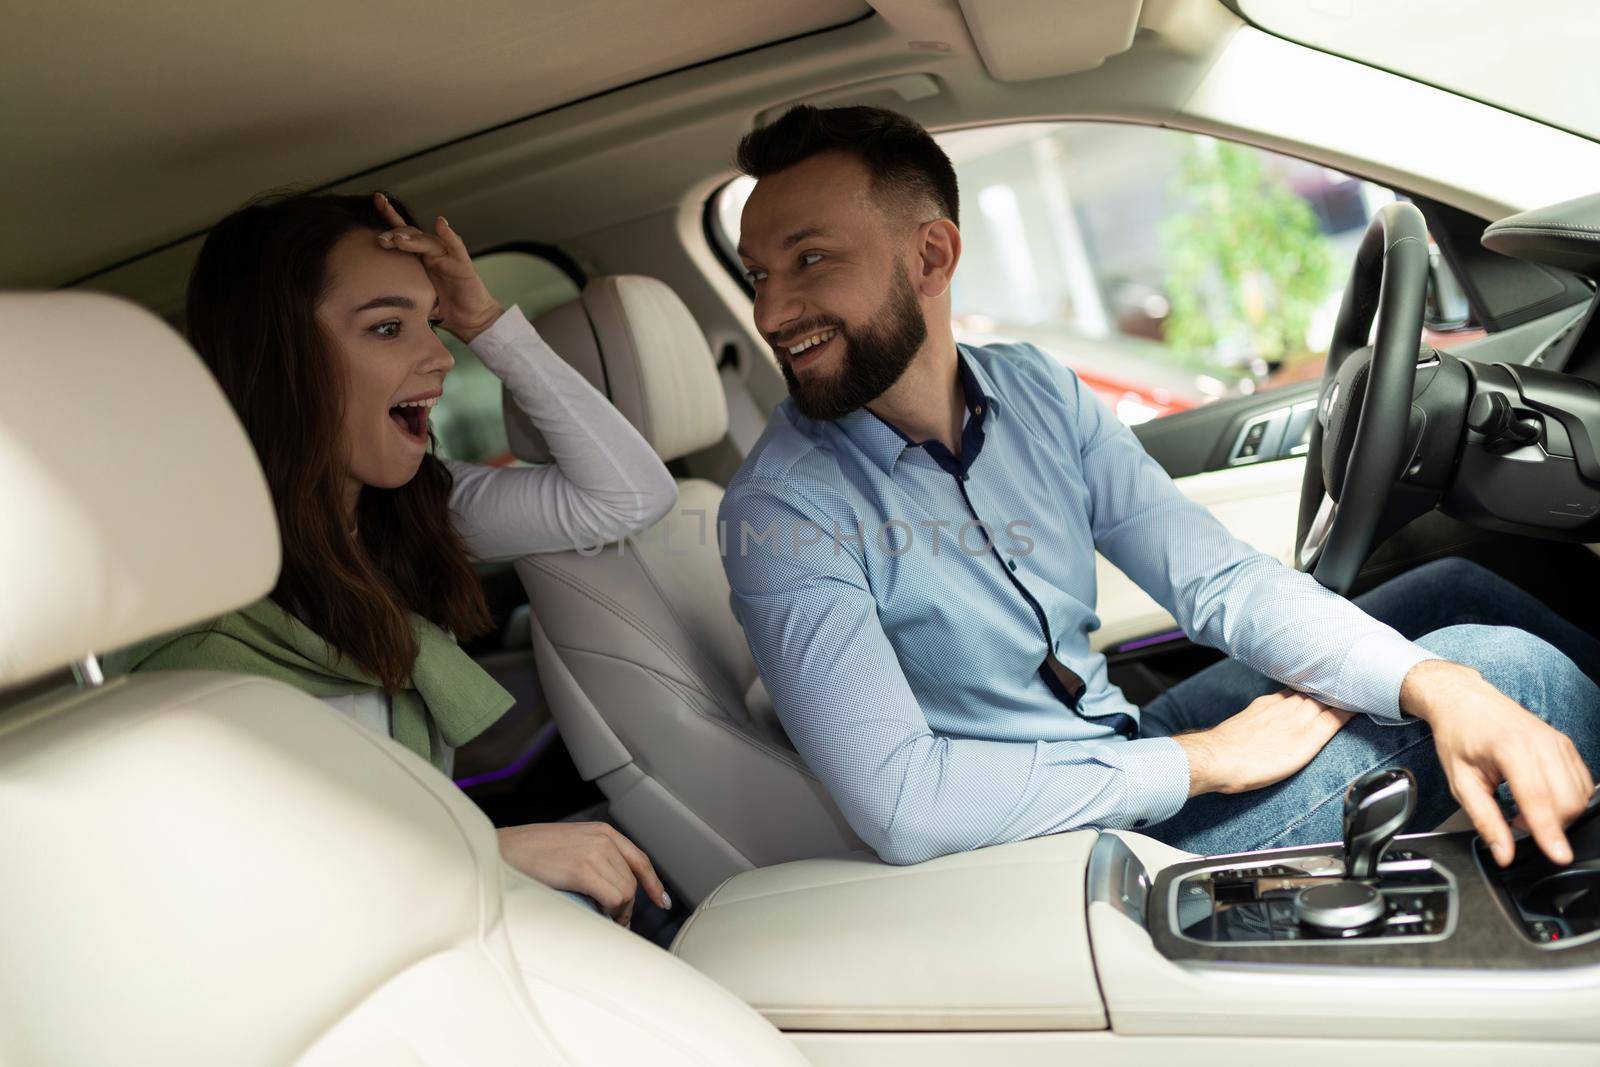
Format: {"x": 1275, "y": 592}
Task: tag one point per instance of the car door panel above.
{"x": 1203, "y": 439}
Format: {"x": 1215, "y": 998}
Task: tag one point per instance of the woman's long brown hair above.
{"x": 251, "y": 314}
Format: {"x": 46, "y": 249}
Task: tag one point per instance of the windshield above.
{"x": 1534, "y": 57}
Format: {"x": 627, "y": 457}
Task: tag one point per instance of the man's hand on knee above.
{"x": 1265, "y": 743}
{"x": 1483, "y": 737}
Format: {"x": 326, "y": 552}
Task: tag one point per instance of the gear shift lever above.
{"x": 1377, "y": 806}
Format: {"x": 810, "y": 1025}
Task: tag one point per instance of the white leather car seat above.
{"x": 644, "y": 665}
{"x": 206, "y": 869}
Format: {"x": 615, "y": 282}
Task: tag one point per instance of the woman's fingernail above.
{"x": 666, "y": 901}
{"x": 443, "y": 221}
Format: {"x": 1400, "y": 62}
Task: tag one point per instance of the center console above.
{"x": 1306, "y": 899}
{"x": 1556, "y": 908}
{"x": 1430, "y": 901}
{"x": 1087, "y": 944}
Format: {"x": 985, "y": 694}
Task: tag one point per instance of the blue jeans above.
{"x": 1451, "y": 607}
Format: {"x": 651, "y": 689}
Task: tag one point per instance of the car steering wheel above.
{"x": 1358, "y": 440}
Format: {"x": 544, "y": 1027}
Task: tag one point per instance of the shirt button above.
{"x": 978, "y": 409}
{"x": 1011, "y": 563}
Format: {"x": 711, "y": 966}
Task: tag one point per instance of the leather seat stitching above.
{"x": 1586, "y": 233}
{"x": 371, "y": 741}
{"x": 786, "y": 755}
{"x": 617, "y": 609}
{"x": 877, "y": 875}
{"x": 667, "y": 681}
{"x": 666, "y": 601}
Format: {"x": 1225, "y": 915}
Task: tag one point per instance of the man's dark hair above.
{"x": 905, "y": 162}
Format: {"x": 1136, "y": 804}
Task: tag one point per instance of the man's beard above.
{"x": 875, "y": 356}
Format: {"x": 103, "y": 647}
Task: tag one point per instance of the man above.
{"x": 911, "y": 546}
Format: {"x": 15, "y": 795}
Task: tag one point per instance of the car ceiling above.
{"x": 603, "y": 125}
{"x": 127, "y": 125}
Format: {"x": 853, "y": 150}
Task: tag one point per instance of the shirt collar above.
{"x": 975, "y": 381}
{"x": 884, "y": 444}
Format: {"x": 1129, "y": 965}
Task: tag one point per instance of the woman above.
{"x": 317, "y": 316}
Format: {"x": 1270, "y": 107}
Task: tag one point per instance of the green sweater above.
{"x": 445, "y": 685}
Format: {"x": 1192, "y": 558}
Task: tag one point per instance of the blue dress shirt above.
{"x": 899, "y": 602}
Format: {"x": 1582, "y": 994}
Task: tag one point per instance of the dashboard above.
{"x": 1244, "y": 462}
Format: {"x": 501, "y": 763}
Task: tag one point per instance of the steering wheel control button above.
{"x": 1340, "y": 906}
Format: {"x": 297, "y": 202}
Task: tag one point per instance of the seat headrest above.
{"x": 636, "y": 342}
{"x": 133, "y": 502}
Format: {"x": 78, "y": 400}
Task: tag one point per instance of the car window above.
{"x": 467, "y": 421}
{"x": 1168, "y": 269}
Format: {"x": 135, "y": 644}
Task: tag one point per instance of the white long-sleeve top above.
{"x": 606, "y": 481}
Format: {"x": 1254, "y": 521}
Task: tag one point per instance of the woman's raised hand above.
{"x": 466, "y": 306}
{"x": 584, "y": 857}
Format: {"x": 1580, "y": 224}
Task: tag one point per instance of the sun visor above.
{"x": 1022, "y": 40}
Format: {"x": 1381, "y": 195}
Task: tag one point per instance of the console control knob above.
{"x": 1339, "y": 905}
{"x": 1377, "y": 806}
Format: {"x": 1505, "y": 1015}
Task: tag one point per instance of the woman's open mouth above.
{"x": 411, "y": 418}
